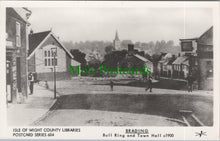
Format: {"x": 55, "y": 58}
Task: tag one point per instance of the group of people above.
{"x": 149, "y": 85}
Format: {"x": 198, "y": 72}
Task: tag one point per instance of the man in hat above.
{"x": 31, "y": 82}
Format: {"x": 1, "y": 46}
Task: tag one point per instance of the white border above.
{"x": 182, "y": 133}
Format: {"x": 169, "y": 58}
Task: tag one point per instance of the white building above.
{"x": 41, "y": 59}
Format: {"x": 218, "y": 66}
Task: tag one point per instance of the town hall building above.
{"x": 42, "y": 48}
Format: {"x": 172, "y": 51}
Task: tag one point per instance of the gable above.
{"x": 207, "y": 37}
{"x": 14, "y": 13}
{"x": 42, "y": 39}
{"x": 50, "y": 41}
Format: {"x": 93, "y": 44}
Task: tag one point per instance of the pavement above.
{"x": 35, "y": 107}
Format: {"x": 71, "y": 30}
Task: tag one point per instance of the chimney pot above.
{"x": 31, "y": 31}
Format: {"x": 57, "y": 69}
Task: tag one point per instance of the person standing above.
{"x": 190, "y": 82}
{"x": 149, "y": 84}
{"x": 31, "y": 80}
{"x": 111, "y": 85}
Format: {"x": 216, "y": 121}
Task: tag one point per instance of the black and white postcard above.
{"x": 109, "y": 70}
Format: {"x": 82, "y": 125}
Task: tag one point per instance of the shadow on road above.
{"x": 161, "y": 105}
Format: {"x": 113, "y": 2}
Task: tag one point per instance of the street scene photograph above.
{"x": 109, "y": 66}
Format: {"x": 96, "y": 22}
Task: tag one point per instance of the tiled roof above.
{"x": 35, "y": 39}
{"x": 207, "y": 37}
{"x": 189, "y": 39}
{"x": 142, "y": 58}
{"x": 171, "y": 61}
{"x": 186, "y": 62}
{"x": 165, "y": 58}
{"x": 180, "y": 60}
{"x": 21, "y": 12}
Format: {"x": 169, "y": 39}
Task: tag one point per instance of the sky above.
{"x": 136, "y": 24}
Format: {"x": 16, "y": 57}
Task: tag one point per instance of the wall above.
{"x": 185, "y": 70}
{"x": 31, "y": 64}
{"x": 205, "y": 53}
{"x": 149, "y": 65}
{"x": 11, "y": 18}
{"x": 39, "y": 57}
{"x": 204, "y": 82}
{"x": 49, "y": 76}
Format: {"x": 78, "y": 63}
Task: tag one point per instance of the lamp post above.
{"x": 54, "y": 52}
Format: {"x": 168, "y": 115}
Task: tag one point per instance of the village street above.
{"x": 122, "y": 65}
{"x": 83, "y": 102}
{"x": 110, "y": 98}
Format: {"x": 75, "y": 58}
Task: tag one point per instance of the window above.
{"x": 55, "y": 62}
{"x": 18, "y": 34}
{"x": 209, "y": 66}
{"x": 209, "y": 63}
{"x": 49, "y": 58}
{"x": 48, "y": 62}
{"x": 52, "y": 62}
{"x": 45, "y": 62}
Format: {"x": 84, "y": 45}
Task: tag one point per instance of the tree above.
{"x": 146, "y": 55}
{"x": 112, "y": 59}
{"x": 109, "y": 49}
{"x": 170, "y": 43}
{"x": 94, "y": 58}
{"x": 155, "y": 58}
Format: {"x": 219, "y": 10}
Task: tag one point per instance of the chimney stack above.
{"x": 130, "y": 47}
{"x": 31, "y": 32}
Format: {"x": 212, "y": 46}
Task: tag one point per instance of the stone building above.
{"x": 41, "y": 59}
{"x": 136, "y": 59}
{"x": 205, "y": 59}
{"x": 165, "y": 66}
{"x": 200, "y": 55}
{"x": 181, "y": 67}
{"x": 16, "y": 54}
